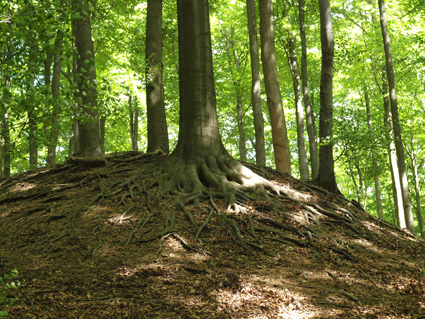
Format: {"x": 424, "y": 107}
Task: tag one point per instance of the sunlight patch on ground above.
{"x": 22, "y": 187}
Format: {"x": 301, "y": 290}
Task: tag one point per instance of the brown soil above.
{"x": 91, "y": 240}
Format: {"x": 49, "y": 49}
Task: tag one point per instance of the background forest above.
{"x": 39, "y": 109}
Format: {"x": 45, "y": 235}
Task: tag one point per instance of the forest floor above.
{"x": 92, "y": 240}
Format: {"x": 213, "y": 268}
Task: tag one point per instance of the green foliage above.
{"x": 6, "y": 283}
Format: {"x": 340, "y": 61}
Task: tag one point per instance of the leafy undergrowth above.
{"x": 92, "y": 240}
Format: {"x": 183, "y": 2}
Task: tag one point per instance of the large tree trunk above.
{"x": 293, "y": 65}
{"x": 326, "y": 176}
{"x": 374, "y": 160}
{"x": 396, "y": 186}
{"x": 396, "y": 121}
{"x": 157, "y": 123}
{"x": 54, "y": 129}
{"x": 274, "y": 98}
{"x": 230, "y": 44}
{"x": 88, "y": 127}
{"x": 260, "y": 151}
{"x": 311, "y": 125}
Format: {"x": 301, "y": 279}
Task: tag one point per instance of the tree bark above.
{"x": 414, "y": 168}
{"x": 296, "y": 80}
{"x": 396, "y": 186}
{"x": 89, "y": 139}
{"x": 134, "y": 122}
{"x": 157, "y": 122}
{"x": 274, "y": 98}
{"x": 326, "y": 176}
{"x": 32, "y": 113}
{"x": 260, "y": 151}
{"x": 54, "y": 129}
{"x": 396, "y": 121}
{"x": 6, "y": 129}
{"x": 230, "y": 44}
{"x": 374, "y": 160}
{"x": 311, "y": 123}
{"x": 102, "y": 124}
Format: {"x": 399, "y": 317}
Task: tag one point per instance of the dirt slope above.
{"x": 90, "y": 239}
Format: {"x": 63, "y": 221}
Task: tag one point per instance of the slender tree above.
{"x": 274, "y": 98}
{"x": 54, "y": 130}
{"x": 374, "y": 158}
{"x": 310, "y": 121}
{"x": 326, "y": 176}
{"x": 231, "y": 51}
{"x": 134, "y": 122}
{"x": 157, "y": 123}
{"x": 408, "y": 215}
{"x": 260, "y": 151}
{"x": 89, "y": 140}
{"x": 293, "y": 66}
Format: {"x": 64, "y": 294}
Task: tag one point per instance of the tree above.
{"x": 311, "y": 125}
{"x": 374, "y": 160}
{"x": 54, "y": 130}
{"x": 293, "y": 66}
{"x": 230, "y": 45}
{"x": 260, "y": 152}
{"x": 274, "y": 98}
{"x": 396, "y": 121}
{"x": 89, "y": 140}
{"x": 200, "y": 161}
{"x": 326, "y": 176}
{"x": 157, "y": 125}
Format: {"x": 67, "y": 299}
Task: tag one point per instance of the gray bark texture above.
{"x": 260, "y": 151}
{"x": 408, "y": 215}
{"x": 310, "y": 119}
{"x": 198, "y": 134}
{"x": 89, "y": 138}
{"x": 326, "y": 176}
{"x": 296, "y": 80}
{"x": 157, "y": 122}
{"x": 374, "y": 160}
{"x": 271, "y": 81}
{"x": 6, "y": 132}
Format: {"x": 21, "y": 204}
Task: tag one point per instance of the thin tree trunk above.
{"x": 89, "y": 128}
{"x": 260, "y": 151}
{"x": 396, "y": 122}
{"x": 414, "y": 168}
{"x": 33, "y": 143}
{"x": 374, "y": 160}
{"x": 157, "y": 122}
{"x": 102, "y": 124}
{"x": 396, "y": 186}
{"x": 6, "y": 131}
{"x": 311, "y": 126}
{"x": 274, "y": 99}
{"x": 32, "y": 114}
{"x": 135, "y": 140}
{"x": 134, "y": 124}
{"x": 230, "y": 44}
{"x": 54, "y": 129}
{"x": 296, "y": 80}
{"x": 326, "y": 176}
